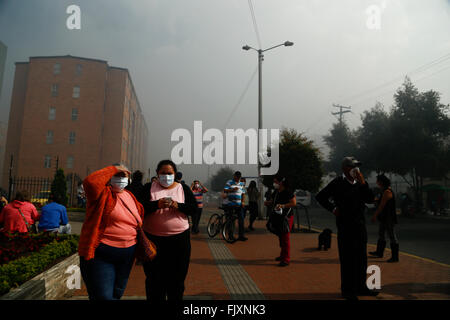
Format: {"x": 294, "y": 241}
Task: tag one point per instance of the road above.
{"x": 427, "y": 237}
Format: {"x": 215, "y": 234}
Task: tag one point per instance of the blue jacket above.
{"x": 53, "y": 215}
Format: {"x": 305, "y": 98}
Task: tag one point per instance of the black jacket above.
{"x": 349, "y": 199}
{"x": 189, "y": 207}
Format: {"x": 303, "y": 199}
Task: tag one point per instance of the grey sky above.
{"x": 187, "y": 64}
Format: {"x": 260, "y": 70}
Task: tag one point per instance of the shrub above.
{"x": 16, "y": 272}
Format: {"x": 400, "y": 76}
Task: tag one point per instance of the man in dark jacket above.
{"x": 136, "y": 187}
{"x": 345, "y": 196}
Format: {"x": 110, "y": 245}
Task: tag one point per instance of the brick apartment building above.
{"x": 78, "y": 113}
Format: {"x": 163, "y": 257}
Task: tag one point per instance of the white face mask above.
{"x": 166, "y": 180}
{"x": 276, "y": 186}
{"x": 197, "y": 185}
{"x": 119, "y": 183}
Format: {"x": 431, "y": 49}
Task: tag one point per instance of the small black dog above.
{"x": 325, "y": 239}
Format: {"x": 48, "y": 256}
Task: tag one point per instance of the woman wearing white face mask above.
{"x": 167, "y": 226}
{"x": 108, "y": 237}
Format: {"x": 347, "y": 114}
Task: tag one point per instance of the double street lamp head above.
{"x": 286, "y": 44}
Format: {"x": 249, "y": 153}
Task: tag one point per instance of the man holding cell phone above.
{"x": 345, "y": 196}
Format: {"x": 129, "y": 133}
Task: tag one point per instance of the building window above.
{"x": 54, "y": 90}
{"x": 47, "y": 162}
{"x": 57, "y": 68}
{"x": 78, "y": 69}
{"x": 74, "y": 114}
{"x": 52, "y": 113}
{"x": 72, "y": 137}
{"x": 76, "y": 92}
{"x": 49, "y": 139}
{"x": 69, "y": 162}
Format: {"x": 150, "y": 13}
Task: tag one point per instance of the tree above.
{"x": 300, "y": 162}
{"x": 412, "y": 140}
{"x": 219, "y": 180}
{"x": 342, "y": 143}
{"x": 59, "y": 187}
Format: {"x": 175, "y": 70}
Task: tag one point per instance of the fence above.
{"x": 39, "y": 188}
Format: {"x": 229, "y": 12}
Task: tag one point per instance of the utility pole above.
{"x": 340, "y": 112}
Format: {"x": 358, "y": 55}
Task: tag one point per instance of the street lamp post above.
{"x": 260, "y": 124}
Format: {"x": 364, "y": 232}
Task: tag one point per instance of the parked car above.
{"x": 40, "y": 199}
{"x": 303, "y": 197}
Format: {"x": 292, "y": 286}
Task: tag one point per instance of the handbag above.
{"x": 30, "y": 228}
{"x": 278, "y": 223}
{"x": 145, "y": 249}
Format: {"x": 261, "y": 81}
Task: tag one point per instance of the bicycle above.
{"x": 225, "y": 223}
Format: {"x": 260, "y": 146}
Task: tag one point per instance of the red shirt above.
{"x": 12, "y": 219}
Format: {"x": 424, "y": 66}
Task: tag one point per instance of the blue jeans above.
{"x": 106, "y": 275}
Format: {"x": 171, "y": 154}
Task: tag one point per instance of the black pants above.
{"x": 196, "y": 219}
{"x": 165, "y": 275}
{"x": 240, "y": 213}
{"x": 352, "y": 246}
{"x": 253, "y": 208}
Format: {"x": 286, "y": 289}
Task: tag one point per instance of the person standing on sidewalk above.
{"x": 198, "y": 189}
{"x": 166, "y": 224}
{"x": 109, "y": 234}
{"x": 282, "y": 201}
{"x": 234, "y": 189}
{"x": 386, "y": 214}
{"x": 253, "y": 196}
{"x": 349, "y": 193}
{"x": 136, "y": 187}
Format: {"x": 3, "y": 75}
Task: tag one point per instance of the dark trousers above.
{"x": 196, "y": 219}
{"x": 353, "y": 259}
{"x": 239, "y": 212}
{"x": 253, "y": 208}
{"x": 106, "y": 275}
{"x": 165, "y": 275}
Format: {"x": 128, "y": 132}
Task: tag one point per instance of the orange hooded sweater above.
{"x": 100, "y": 202}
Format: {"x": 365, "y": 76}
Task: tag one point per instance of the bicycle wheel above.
{"x": 214, "y": 223}
{"x": 229, "y": 231}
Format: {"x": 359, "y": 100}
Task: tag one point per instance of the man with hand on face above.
{"x": 349, "y": 192}
{"x": 234, "y": 189}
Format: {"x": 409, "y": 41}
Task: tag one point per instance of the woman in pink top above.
{"x": 11, "y": 215}
{"x": 167, "y": 225}
{"x": 109, "y": 236}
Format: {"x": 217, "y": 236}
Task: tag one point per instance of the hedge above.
{"x": 16, "y": 272}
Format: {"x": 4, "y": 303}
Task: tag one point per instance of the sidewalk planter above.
{"x": 38, "y": 273}
{"x": 49, "y": 285}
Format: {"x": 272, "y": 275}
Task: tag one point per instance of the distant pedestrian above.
{"x": 166, "y": 224}
{"x": 136, "y": 187}
{"x": 198, "y": 190}
{"x": 234, "y": 189}
{"x": 282, "y": 201}
{"x": 19, "y": 215}
{"x": 3, "y": 202}
{"x": 81, "y": 196}
{"x": 253, "y": 196}
{"x": 268, "y": 197}
{"x": 387, "y": 216}
{"x": 244, "y": 199}
{"x": 345, "y": 196}
{"x": 54, "y": 217}
{"x": 109, "y": 234}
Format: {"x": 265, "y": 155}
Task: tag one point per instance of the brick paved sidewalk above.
{"x": 247, "y": 270}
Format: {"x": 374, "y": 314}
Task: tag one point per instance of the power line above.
{"x": 341, "y": 112}
{"x": 420, "y": 69}
{"x": 255, "y": 25}
{"x": 241, "y": 97}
